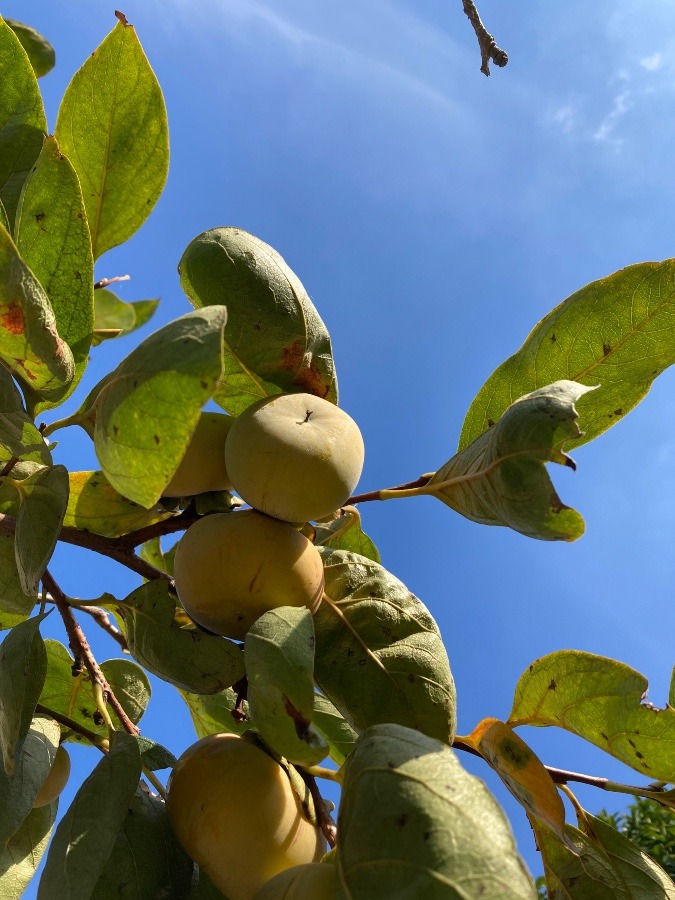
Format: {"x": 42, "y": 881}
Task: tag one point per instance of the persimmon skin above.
{"x": 230, "y": 568}
{"x": 312, "y": 880}
{"x": 203, "y": 465}
{"x": 233, "y": 811}
{"x": 296, "y": 457}
{"x": 56, "y": 779}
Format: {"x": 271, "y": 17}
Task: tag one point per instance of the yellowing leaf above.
{"x": 501, "y": 479}
{"x": 95, "y": 506}
{"x": 520, "y": 769}
{"x": 603, "y": 701}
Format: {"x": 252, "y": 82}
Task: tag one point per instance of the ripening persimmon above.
{"x": 56, "y": 779}
{"x": 294, "y": 456}
{"x": 311, "y": 881}
{"x": 234, "y": 812}
{"x": 230, "y": 568}
{"x": 202, "y": 467}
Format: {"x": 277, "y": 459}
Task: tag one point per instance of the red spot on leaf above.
{"x": 12, "y": 320}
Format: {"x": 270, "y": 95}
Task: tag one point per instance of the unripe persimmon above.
{"x": 230, "y": 568}
{"x": 203, "y": 465}
{"x": 56, "y": 779}
{"x": 294, "y": 456}
{"x": 312, "y": 881}
{"x": 234, "y": 812}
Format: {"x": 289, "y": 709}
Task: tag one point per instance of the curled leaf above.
{"x": 501, "y": 479}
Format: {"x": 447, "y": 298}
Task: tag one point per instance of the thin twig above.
{"x": 324, "y": 819}
{"x": 80, "y": 647}
{"x": 104, "y": 282}
{"x": 101, "y": 617}
{"x": 377, "y": 495}
{"x": 158, "y": 529}
{"x": 67, "y": 722}
{"x": 112, "y": 548}
{"x": 488, "y": 48}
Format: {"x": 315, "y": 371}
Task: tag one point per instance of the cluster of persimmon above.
{"x": 293, "y": 458}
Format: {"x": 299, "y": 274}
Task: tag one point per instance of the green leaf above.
{"x": 186, "y": 657}
{"x": 275, "y": 340}
{"x": 212, "y": 713}
{"x": 617, "y": 332}
{"x": 114, "y": 317}
{"x": 146, "y": 860}
{"x": 147, "y": 410}
{"x": 40, "y": 52}
{"x": 112, "y": 126}
{"x": 279, "y": 657}
{"x": 4, "y": 218}
{"x": 95, "y": 506}
{"x": 23, "y": 665}
{"x": 151, "y": 551}
{"x": 9, "y": 620}
{"x": 44, "y": 497}
{"x": 24, "y": 850}
{"x": 13, "y": 601}
{"x": 86, "y": 836}
{"x": 671, "y": 692}
{"x": 53, "y": 239}
{"x": 72, "y": 695}
{"x": 30, "y": 345}
{"x": 334, "y": 727}
{"x": 155, "y": 757}
{"x": 19, "y": 438}
{"x": 501, "y": 479}
{"x": 413, "y": 823}
{"x": 379, "y": 653}
{"x": 340, "y": 534}
{"x": 18, "y": 793}
{"x": 22, "y": 118}
{"x": 602, "y": 701}
{"x": 601, "y": 865}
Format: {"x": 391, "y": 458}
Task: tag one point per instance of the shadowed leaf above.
{"x": 275, "y": 340}
{"x": 23, "y": 665}
{"x": 601, "y": 700}
{"x": 501, "y": 479}
{"x": 44, "y": 496}
{"x": 24, "y": 850}
{"x": 334, "y": 727}
{"x": 212, "y": 713}
{"x": 115, "y": 318}
{"x": 40, "y": 52}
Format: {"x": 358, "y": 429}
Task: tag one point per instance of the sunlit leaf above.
{"x": 40, "y": 52}
{"x": 341, "y": 535}
{"x": 413, "y": 823}
{"x": 22, "y": 118}
{"x": 616, "y": 332}
{"x": 23, "y": 665}
{"x": 279, "y": 657}
{"x": 52, "y": 237}
{"x": 601, "y": 700}
{"x": 147, "y": 410}
{"x": 501, "y": 479}
{"x": 112, "y": 126}
{"x": 68, "y": 691}
{"x": 9, "y": 620}
{"x": 86, "y": 835}
{"x": 32, "y": 767}
{"x": 114, "y": 317}
{"x": 30, "y": 345}
{"x": 212, "y": 713}
{"x": 146, "y": 860}
{"x": 24, "y": 850}
{"x": 521, "y": 771}
{"x": 151, "y": 551}
{"x": 379, "y": 654}
{"x": 186, "y": 657}
{"x": 44, "y": 496}
{"x": 601, "y": 865}
{"x": 334, "y": 727}
{"x": 275, "y": 340}
{"x": 95, "y": 506}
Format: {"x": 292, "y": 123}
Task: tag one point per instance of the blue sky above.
{"x": 434, "y": 216}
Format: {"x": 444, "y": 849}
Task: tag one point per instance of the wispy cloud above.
{"x": 606, "y": 130}
{"x": 653, "y": 62}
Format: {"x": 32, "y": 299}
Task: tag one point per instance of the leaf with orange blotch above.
{"x": 521, "y": 770}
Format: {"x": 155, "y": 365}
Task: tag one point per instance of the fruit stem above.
{"x": 155, "y": 782}
{"x": 324, "y": 772}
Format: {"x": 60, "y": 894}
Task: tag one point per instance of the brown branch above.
{"x": 67, "y": 722}
{"x": 324, "y": 819}
{"x": 112, "y": 548}
{"x": 81, "y": 649}
{"x": 100, "y": 616}
{"x": 488, "y": 48}
{"x": 375, "y": 495}
{"x": 158, "y": 529}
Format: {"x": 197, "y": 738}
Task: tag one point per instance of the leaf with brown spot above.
{"x": 601, "y": 700}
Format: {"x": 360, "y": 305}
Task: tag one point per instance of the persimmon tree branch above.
{"x": 81, "y": 650}
{"x": 100, "y": 616}
{"x": 488, "y": 47}
{"x": 383, "y": 493}
{"x": 322, "y": 807}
